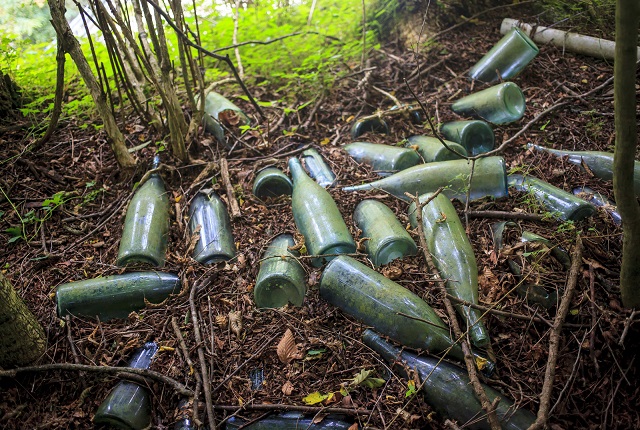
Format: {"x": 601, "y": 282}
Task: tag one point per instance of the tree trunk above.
{"x": 22, "y": 339}
{"x": 71, "y": 45}
{"x": 627, "y": 18}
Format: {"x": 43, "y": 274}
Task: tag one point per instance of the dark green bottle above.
{"x": 489, "y": 179}
{"x": 317, "y": 217}
{"x": 146, "y": 225}
{"x": 281, "y": 277}
{"x": 448, "y": 390}
{"x": 216, "y": 239}
{"x": 387, "y": 239}
{"x": 453, "y": 256}
{"x": 290, "y": 421}
{"x": 220, "y": 111}
{"x": 475, "y": 136}
{"x": 128, "y": 405}
{"x": 560, "y": 203}
{"x": 600, "y": 163}
{"x": 115, "y": 296}
{"x": 385, "y": 159}
{"x": 375, "y": 300}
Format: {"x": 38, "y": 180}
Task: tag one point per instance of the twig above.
{"x": 306, "y": 409}
{"x": 554, "y": 338}
{"x": 391, "y": 96}
{"x": 270, "y": 41}
{"x": 207, "y": 171}
{"x": 111, "y": 370}
{"x": 57, "y": 101}
{"x": 313, "y": 112}
{"x": 488, "y": 407}
{"x": 276, "y": 154}
{"x": 236, "y": 19}
{"x": 508, "y": 215}
{"x": 226, "y": 180}
{"x": 185, "y": 351}
{"x": 627, "y": 324}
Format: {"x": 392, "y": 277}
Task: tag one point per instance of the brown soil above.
{"x": 596, "y": 369}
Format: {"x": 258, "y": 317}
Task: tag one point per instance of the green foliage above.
{"x": 591, "y": 17}
{"x": 26, "y": 20}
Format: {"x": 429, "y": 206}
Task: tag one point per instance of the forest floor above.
{"x": 596, "y": 369}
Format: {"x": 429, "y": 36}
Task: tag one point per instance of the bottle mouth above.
{"x": 526, "y": 39}
{"x": 277, "y": 291}
{"x": 392, "y": 249}
{"x": 513, "y": 100}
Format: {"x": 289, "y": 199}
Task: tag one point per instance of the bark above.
{"x": 22, "y": 340}
{"x": 627, "y": 18}
{"x": 70, "y": 43}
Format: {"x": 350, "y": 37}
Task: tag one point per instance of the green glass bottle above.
{"x": 146, "y": 225}
{"x": 128, "y": 405}
{"x": 281, "y": 277}
{"x": 500, "y": 104}
{"x": 489, "y": 179}
{"x": 387, "y": 239}
{"x": 318, "y": 218}
{"x": 599, "y": 200}
{"x": 448, "y": 390}
{"x": 115, "y": 296}
{"x": 557, "y": 201}
{"x": 220, "y": 111}
{"x": 375, "y": 300}
{"x": 272, "y": 182}
{"x": 431, "y": 149}
{"x": 375, "y": 125}
{"x": 216, "y": 239}
{"x": 600, "y": 163}
{"x": 475, "y": 136}
{"x": 291, "y": 421}
{"x": 385, "y": 159}
{"x": 453, "y": 256}
{"x": 318, "y": 168}
{"x": 506, "y": 58}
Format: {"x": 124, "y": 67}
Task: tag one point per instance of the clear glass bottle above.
{"x": 146, "y": 225}
{"x": 489, "y": 179}
{"x": 384, "y": 159}
{"x": 431, "y": 149}
{"x": 216, "y": 239}
{"x": 500, "y": 104}
{"x": 115, "y": 296}
{"x": 560, "y": 203}
{"x": 448, "y": 390}
{"x": 281, "y": 278}
{"x": 318, "y": 218}
{"x": 128, "y": 405}
{"x": 453, "y": 255}
{"x": 475, "y": 136}
{"x": 387, "y": 238}
{"x": 506, "y": 58}
{"x": 318, "y": 168}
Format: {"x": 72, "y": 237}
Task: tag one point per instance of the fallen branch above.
{"x": 226, "y": 180}
{"x": 554, "y": 338}
{"x": 306, "y": 409}
{"x": 111, "y": 370}
{"x": 508, "y": 215}
{"x": 185, "y": 351}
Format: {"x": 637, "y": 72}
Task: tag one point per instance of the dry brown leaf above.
{"x": 287, "y": 349}
{"x": 221, "y": 320}
{"x": 392, "y": 272}
{"x": 287, "y": 388}
{"x": 489, "y": 284}
{"x": 235, "y": 322}
{"x": 318, "y": 418}
{"x": 354, "y": 426}
{"x": 195, "y": 237}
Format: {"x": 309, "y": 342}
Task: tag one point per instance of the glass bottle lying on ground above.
{"x": 318, "y": 168}
{"x": 475, "y": 136}
{"x": 216, "y": 242}
{"x": 146, "y": 225}
{"x": 501, "y": 104}
{"x": 489, "y": 179}
{"x": 272, "y": 182}
{"x": 387, "y": 238}
{"x": 281, "y": 277}
{"x": 599, "y": 200}
{"x": 220, "y": 112}
{"x": 560, "y": 203}
{"x": 447, "y": 388}
{"x": 431, "y": 149}
{"x": 388, "y": 307}
{"x": 128, "y": 405}
{"x": 290, "y": 421}
{"x": 453, "y": 255}
{"x": 384, "y": 159}
{"x": 318, "y": 218}
{"x": 599, "y": 163}
{"x": 115, "y": 296}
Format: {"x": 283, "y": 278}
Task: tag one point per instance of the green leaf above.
{"x": 365, "y": 380}
{"x": 14, "y": 231}
{"x": 316, "y": 351}
{"x": 411, "y": 389}
{"x": 315, "y": 398}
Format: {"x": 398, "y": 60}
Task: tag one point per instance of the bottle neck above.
{"x": 296, "y": 170}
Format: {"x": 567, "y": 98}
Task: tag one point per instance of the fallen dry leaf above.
{"x": 287, "y": 388}
{"x": 392, "y": 272}
{"x": 235, "y": 322}
{"x": 353, "y": 427}
{"x": 287, "y": 349}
